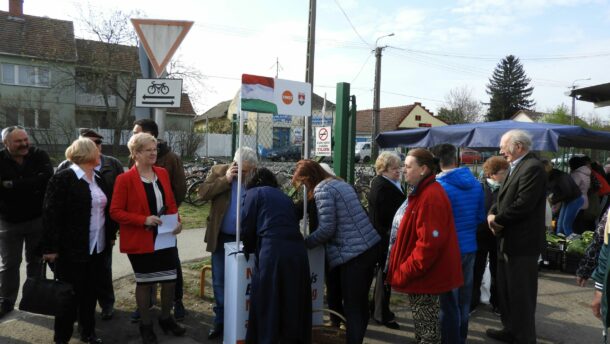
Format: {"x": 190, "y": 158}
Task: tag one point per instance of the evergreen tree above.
{"x": 509, "y": 90}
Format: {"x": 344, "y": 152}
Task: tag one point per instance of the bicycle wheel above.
{"x": 164, "y": 89}
{"x": 151, "y": 89}
{"x": 192, "y": 195}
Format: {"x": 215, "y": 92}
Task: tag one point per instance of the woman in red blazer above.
{"x": 425, "y": 258}
{"x": 141, "y": 196}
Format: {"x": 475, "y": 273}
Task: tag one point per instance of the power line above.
{"x": 495, "y": 58}
{"x": 352, "y": 25}
{"x": 361, "y": 68}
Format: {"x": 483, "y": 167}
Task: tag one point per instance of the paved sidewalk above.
{"x": 563, "y": 312}
{"x": 21, "y": 325}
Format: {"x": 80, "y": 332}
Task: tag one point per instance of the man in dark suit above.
{"x": 517, "y": 220}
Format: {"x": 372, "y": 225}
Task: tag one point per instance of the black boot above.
{"x": 148, "y": 336}
{"x": 170, "y": 324}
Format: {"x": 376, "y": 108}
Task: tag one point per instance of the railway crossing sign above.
{"x": 158, "y": 93}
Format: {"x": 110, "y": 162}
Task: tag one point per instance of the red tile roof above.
{"x": 37, "y": 37}
{"x": 389, "y": 118}
{"x": 185, "y": 109}
{"x": 116, "y": 57}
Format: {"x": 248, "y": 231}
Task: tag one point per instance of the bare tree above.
{"x": 460, "y": 107}
{"x": 110, "y": 69}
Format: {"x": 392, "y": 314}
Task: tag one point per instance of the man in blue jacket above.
{"x": 467, "y": 202}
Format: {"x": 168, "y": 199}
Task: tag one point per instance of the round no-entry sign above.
{"x": 323, "y": 134}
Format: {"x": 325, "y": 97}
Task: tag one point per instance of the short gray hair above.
{"x": 248, "y": 155}
{"x": 8, "y": 130}
{"x": 516, "y": 136}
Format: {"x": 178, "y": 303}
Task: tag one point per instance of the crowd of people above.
{"x": 69, "y": 218}
{"x": 430, "y": 238}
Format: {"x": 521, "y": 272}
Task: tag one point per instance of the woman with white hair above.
{"x": 385, "y": 198}
{"x": 141, "y": 195}
{"x": 77, "y": 229}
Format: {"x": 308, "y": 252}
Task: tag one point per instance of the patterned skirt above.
{"x": 158, "y": 266}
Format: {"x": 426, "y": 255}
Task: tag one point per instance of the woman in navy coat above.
{"x": 280, "y": 299}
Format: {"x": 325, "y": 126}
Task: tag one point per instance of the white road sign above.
{"x": 323, "y": 141}
{"x": 158, "y": 93}
{"x": 160, "y": 39}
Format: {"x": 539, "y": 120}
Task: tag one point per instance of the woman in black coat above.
{"x": 385, "y": 198}
{"x": 77, "y": 229}
{"x": 495, "y": 170}
{"x": 280, "y": 299}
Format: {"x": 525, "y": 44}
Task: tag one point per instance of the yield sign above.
{"x": 160, "y": 39}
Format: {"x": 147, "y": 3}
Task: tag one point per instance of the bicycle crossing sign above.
{"x": 158, "y": 93}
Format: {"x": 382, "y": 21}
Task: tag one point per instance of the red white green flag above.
{"x": 257, "y": 94}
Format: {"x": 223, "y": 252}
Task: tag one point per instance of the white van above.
{"x": 363, "y": 152}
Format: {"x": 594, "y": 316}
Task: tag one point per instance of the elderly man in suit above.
{"x": 517, "y": 220}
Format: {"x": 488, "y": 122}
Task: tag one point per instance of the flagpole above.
{"x": 239, "y": 174}
{"x": 324, "y": 109}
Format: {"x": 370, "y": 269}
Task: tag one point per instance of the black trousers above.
{"x": 479, "y": 270}
{"x": 333, "y": 294}
{"x": 105, "y": 290}
{"x": 381, "y": 290}
{"x": 179, "y": 288}
{"x": 517, "y": 292}
{"x": 84, "y": 276}
{"x": 356, "y": 277}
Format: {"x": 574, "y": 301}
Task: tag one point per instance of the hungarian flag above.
{"x": 257, "y": 94}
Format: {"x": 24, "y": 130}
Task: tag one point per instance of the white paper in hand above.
{"x": 169, "y": 223}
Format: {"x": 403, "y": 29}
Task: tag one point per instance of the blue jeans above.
{"x": 218, "y": 276}
{"x": 455, "y": 305}
{"x": 567, "y": 215}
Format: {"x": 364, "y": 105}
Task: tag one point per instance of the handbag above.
{"x": 46, "y": 296}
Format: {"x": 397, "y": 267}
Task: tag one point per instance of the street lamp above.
{"x": 375, "y": 131}
{"x": 574, "y": 98}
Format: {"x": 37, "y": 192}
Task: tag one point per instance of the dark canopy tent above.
{"x": 486, "y": 135}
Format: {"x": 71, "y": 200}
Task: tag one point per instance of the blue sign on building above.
{"x": 317, "y": 120}
{"x": 282, "y": 119}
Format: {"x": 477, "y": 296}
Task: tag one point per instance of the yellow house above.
{"x": 396, "y": 118}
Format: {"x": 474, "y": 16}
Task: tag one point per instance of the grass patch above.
{"x": 192, "y": 216}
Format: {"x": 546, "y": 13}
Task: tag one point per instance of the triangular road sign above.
{"x": 160, "y": 39}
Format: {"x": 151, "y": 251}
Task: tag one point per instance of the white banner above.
{"x": 238, "y": 276}
{"x": 292, "y": 97}
{"x": 316, "y": 269}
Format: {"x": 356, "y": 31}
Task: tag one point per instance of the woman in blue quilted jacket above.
{"x": 349, "y": 237}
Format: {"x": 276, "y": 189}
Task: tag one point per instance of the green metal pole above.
{"x": 341, "y": 131}
{"x": 351, "y": 141}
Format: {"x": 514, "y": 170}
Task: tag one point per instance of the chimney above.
{"x": 15, "y": 8}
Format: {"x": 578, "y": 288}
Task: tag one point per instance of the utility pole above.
{"x": 573, "y": 121}
{"x": 376, "y": 91}
{"x": 311, "y": 45}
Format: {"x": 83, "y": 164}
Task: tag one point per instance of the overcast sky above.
{"x": 437, "y": 46}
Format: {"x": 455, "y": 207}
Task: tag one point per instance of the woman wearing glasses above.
{"x": 140, "y": 196}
